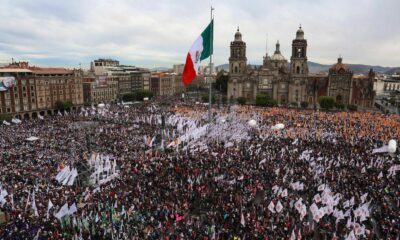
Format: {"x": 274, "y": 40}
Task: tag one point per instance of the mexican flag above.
{"x": 201, "y": 49}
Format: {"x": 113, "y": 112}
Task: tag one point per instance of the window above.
{"x": 236, "y": 69}
{"x": 297, "y": 69}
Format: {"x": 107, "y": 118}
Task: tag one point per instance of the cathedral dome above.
{"x": 339, "y": 66}
{"x": 238, "y": 35}
{"x": 277, "y": 54}
{"x": 277, "y": 57}
{"x": 300, "y": 34}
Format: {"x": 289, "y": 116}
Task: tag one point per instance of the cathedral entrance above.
{"x": 338, "y": 99}
{"x": 283, "y": 99}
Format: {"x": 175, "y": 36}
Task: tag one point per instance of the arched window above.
{"x": 236, "y": 69}
{"x": 298, "y": 70}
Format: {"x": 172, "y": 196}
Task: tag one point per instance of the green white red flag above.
{"x": 201, "y": 49}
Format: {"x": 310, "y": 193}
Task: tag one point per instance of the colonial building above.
{"x": 291, "y": 82}
{"x": 166, "y": 84}
{"x": 129, "y": 78}
{"x": 38, "y": 89}
{"x": 95, "y": 93}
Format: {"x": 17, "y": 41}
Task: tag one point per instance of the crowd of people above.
{"x": 182, "y": 178}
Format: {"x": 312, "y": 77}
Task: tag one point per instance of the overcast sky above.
{"x": 154, "y": 33}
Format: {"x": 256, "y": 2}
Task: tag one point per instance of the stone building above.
{"x": 340, "y": 83}
{"x": 291, "y": 82}
{"x": 166, "y": 84}
{"x": 38, "y": 89}
{"x": 129, "y": 78}
{"x": 94, "y": 93}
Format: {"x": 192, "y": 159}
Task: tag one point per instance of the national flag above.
{"x": 201, "y": 49}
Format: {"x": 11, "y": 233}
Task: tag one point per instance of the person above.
{"x": 216, "y": 185}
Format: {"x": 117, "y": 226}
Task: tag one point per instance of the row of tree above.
{"x": 325, "y": 102}
{"x": 139, "y": 95}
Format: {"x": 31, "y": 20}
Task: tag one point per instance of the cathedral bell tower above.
{"x": 298, "y": 61}
{"x": 237, "y": 59}
{"x": 237, "y": 85}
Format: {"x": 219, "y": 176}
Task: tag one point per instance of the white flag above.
{"x": 242, "y": 220}
{"x": 34, "y": 205}
{"x": 49, "y": 206}
{"x": 271, "y": 207}
{"x": 279, "y": 207}
{"x": 62, "y": 212}
{"x": 364, "y": 197}
{"x": 72, "y": 209}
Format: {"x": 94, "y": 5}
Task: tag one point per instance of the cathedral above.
{"x": 291, "y": 82}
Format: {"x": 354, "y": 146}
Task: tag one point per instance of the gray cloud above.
{"x": 159, "y": 33}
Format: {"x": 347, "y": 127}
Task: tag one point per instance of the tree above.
{"x": 141, "y": 94}
{"x": 221, "y": 82}
{"x": 293, "y": 104}
{"x": 5, "y": 117}
{"x": 205, "y": 98}
{"x": 262, "y": 99}
{"x": 224, "y": 99}
{"x": 326, "y": 102}
{"x": 63, "y": 105}
{"x": 272, "y": 103}
{"x": 392, "y": 100}
{"x": 241, "y": 100}
{"x": 304, "y": 104}
{"x": 129, "y": 97}
{"x": 352, "y": 108}
{"x": 340, "y": 106}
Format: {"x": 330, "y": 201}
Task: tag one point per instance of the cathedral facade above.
{"x": 291, "y": 82}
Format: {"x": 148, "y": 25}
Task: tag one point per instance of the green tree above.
{"x": 272, "y": 103}
{"x": 221, "y": 82}
{"x": 304, "y": 104}
{"x": 392, "y": 100}
{"x": 262, "y": 99}
{"x": 224, "y": 99}
{"x": 5, "y": 117}
{"x": 205, "y": 98}
{"x": 129, "y": 97}
{"x": 340, "y": 106}
{"x": 241, "y": 100}
{"x": 352, "y": 108}
{"x": 63, "y": 105}
{"x": 326, "y": 102}
{"x": 141, "y": 94}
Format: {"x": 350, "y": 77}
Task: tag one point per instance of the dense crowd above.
{"x": 316, "y": 178}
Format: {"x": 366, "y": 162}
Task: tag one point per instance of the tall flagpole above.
{"x": 209, "y": 78}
